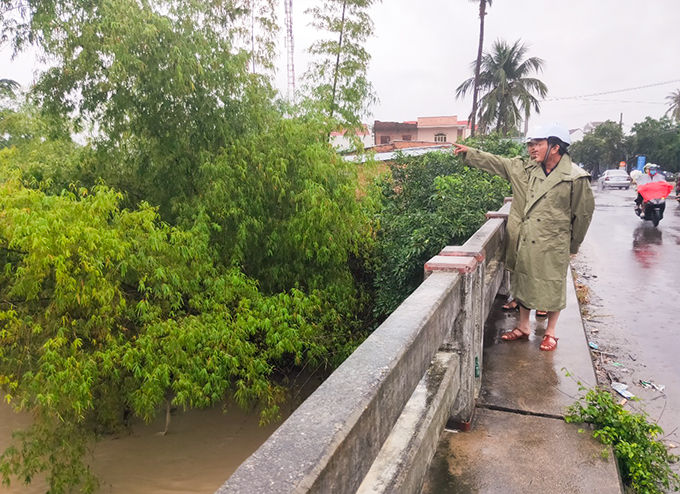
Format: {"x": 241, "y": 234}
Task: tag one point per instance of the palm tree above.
{"x": 7, "y": 87}
{"x": 478, "y": 64}
{"x": 674, "y": 104}
{"x": 508, "y": 97}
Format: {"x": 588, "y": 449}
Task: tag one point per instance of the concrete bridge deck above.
{"x": 519, "y": 442}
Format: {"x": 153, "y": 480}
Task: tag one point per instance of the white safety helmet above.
{"x": 551, "y": 130}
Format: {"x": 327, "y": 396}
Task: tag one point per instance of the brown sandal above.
{"x": 515, "y": 334}
{"x": 541, "y": 313}
{"x": 549, "y": 343}
{"x": 510, "y": 306}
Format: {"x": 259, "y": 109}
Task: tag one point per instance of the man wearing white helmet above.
{"x": 551, "y": 210}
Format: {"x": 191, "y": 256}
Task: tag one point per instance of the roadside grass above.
{"x": 582, "y": 292}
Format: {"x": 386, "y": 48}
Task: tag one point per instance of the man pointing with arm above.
{"x": 551, "y": 210}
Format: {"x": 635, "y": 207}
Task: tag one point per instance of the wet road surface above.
{"x": 633, "y": 272}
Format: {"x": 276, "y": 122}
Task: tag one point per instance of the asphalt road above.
{"x": 633, "y": 272}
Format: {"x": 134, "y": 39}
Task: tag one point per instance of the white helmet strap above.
{"x": 547, "y": 152}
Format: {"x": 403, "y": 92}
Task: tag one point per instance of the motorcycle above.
{"x": 654, "y": 196}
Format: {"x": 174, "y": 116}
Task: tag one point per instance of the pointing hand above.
{"x": 459, "y": 148}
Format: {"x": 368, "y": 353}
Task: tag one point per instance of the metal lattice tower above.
{"x": 290, "y": 49}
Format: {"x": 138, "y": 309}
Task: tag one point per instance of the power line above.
{"x": 614, "y": 91}
{"x": 624, "y": 101}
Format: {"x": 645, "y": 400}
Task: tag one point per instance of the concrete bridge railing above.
{"x": 374, "y": 424}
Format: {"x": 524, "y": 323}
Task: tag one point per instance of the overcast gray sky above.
{"x": 423, "y": 49}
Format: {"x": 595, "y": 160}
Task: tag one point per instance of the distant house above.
{"x": 341, "y": 141}
{"x": 425, "y": 129}
{"x": 590, "y": 126}
{"x": 442, "y": 129}
{"x": 576, "y": 134}
{"x": 386, "y": 132}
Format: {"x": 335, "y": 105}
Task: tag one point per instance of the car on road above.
{"x": 614, "y": 178}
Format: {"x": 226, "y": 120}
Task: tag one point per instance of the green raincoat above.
{"x": 548, "y": 220}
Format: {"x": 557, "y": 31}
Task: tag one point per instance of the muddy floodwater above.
{"x": 200, "y": 451}
{"x": 633, "y": 272}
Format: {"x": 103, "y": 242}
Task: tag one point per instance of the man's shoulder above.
{"x": 578, "y": 172}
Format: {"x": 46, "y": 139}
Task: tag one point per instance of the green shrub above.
{"x": 643, "y": 460}
{"x": 497, "y": 144}
{"x": 431, "y": 201}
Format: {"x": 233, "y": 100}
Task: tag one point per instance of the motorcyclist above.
{"x": 635, "y": 175}
{"x": 651, "y": 174}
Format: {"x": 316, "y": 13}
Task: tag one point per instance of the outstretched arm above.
{"x": 495, "y": 165}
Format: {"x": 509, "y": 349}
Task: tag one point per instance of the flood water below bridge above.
{"x": 200, "y": 451}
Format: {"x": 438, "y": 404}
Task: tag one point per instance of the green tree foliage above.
{"x": 41, "y": 147}
{"x": 495, "y": 143}
{"x": 431, "y": 201}
{"x": 161, "y": 84}
{"x": 337, "y": 80}
{"x": 285, "y": 209}
{"x": 241, "y": 269}
{"x": 588, "y": 152}
{"x": 658, "y": 141}
{"x": 602, "y": 148}
{"x": 106, "y": 312}
{"x": 508, "y": 90}
{"x": 606, "y": 146}
{"x": 263, "y": 32}
{"x": 189, "y": 130}
{"x": 255, "y": 277}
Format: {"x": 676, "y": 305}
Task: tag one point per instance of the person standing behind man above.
{"x": 551, "y": 210}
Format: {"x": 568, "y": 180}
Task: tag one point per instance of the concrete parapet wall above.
{"x": 408, "y": 450}
{"x": 332, "y": 439}
{"x": 341, "y": 431}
